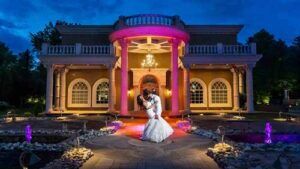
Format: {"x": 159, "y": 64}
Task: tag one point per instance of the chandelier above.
{"x": 149, "y": 61}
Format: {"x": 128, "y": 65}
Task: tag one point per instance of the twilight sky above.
{"x": 20, "y": 17}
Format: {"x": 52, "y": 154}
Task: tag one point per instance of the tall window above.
{"x": 219, "y": 93}
{"x": 101, "y": 93}
{"x": 79, "y": 93}
{"x": 196, "y": 93}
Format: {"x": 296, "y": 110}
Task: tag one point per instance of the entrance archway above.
{"x": 149, "y": 82}
{"x": 156, "y": 79}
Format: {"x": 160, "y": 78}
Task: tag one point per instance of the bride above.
{"x": 156, "y": 129}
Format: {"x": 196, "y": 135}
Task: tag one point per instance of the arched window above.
{"x": 101, "y": 93}
{"x": 79, "y": 93}
{"x": 220, "y": 93}
{"x": 197, "y": 93}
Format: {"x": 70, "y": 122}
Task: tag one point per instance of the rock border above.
{"x": 238, "y": 155}
{"x": 71, "y": 159}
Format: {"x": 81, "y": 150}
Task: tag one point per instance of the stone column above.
{"x": 162, "y": 96}
{"x": 57, "y": 89}
{"x": 241, "y": 83}
{"x": 63, "y": 89}
{"x": 49, "y": 89}
{"x": 236, "y": 99}
{"x": 124, "y": 77}
{"x": 112, "y": 89}
{"x": 249, "y": 86}
{"x": 186, "y": 85}
{"x": 136, "y": 93}
{"x": 174, "y": 77}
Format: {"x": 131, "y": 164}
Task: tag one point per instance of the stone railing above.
{"x": 148, "y": 19}
{"x": 61, "y": 49}
{"x": 94, "y": 50}
{"x": 76, "y": 49}
{"x": 221, "y": 49}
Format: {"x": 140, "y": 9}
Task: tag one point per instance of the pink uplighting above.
{"x": 134, "y": 128}
{"x": 124, "y": 77}
{"x": 174, "y": 83}
{"x": 162, "y": 31}
{"x": 174, "y": 35}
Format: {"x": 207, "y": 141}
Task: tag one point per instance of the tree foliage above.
{"x": 22, "y": 76}
{"x": 48, "y": 35}
{"x": 277, "y": 69}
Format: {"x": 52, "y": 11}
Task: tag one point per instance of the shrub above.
{"x": 27, "y": 114}
{"x": 4, "y": 105}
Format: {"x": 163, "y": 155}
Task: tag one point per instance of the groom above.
{"x": 155, "y": 101}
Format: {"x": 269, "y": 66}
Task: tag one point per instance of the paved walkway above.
{"x": 125, "y": 150}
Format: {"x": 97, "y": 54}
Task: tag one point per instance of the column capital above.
{"x": 123, "y": 42}
{"x": 187, "y": 65}
{"x": 241, "y": 69}
{"x": 48, "y": 66}
{"x": 110, "y": 66}
{"x": 57, "y": 71}
{"x": 61, "y": 69}
{"x": 175, "y": 41}
{"x": 250, "y": 66}
{"x": 66, "y": 70}
{"x": 234, "y": 68}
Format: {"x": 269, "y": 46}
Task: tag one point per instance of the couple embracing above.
{"x": 156, "y": 129}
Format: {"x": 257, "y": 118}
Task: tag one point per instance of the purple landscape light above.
{"x": 268, "y": 132}
{"x": 28, "y": 133}
{"x": 185, "y": 125}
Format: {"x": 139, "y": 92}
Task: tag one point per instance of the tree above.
{"x": 49, "y": 34}
{"x": 7, "y": 65}
{"x": 268, "y": 70}
{"x": 292, "y": 66}
{"x": 24, "y": 82}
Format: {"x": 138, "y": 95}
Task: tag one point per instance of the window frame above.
{"x": 204, "y": 88}
{"x": 94, "y": 94}
{"x": 70, "y": 93}
{"x": 229, "y": 93}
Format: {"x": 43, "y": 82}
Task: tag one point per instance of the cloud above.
{"x": 17, "y": 9}
{"x": 7, "y": 24}
{"x": 16, "y": 43}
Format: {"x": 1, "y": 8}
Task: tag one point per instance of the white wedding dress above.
{"x": 156, "y": 130}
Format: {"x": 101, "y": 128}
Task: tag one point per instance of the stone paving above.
{"x": 125, "y": 150}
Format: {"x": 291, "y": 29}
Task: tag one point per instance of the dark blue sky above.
{"x": 19, "y": 17}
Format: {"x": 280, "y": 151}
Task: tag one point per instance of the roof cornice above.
{"x": 107, "y": 29}
{"x": 84, "y": 29}
{"x": 213, "y": 29}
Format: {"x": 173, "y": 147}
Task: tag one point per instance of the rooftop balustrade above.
{"x": 76, "y": 49}
{"x": 148, "y": 19}
{"x": 191, "y": 50}
{"x": 221, "y": 49}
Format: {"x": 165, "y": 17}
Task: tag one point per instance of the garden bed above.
{"x": 260, "y": 138}
{"x": 10, "y": 159}
{"x": 47, "y": 139}
{"x": 248, "y": 150}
